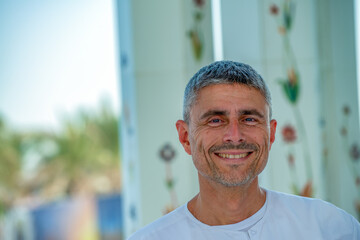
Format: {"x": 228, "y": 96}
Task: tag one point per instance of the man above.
{"x": 228, "y": 131}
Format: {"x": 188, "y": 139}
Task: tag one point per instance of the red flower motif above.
{"x": 343, "y": 131}
{"x": 346, "y": 110}
{"x": 307, "y": 191}
{"x": 289, "y": 134}
{"x": 357, "y": 181}
{"x": 199, "y": 3}
{"x": 291, "y": 160}
{"x": 274, "y": 9}
{"x": 292, "y": 76}
{"x": 357, "y": 205}
{"x": 355, "y": 152}
{"x": 168, "y": 209}
{"x": 282, "y": 30}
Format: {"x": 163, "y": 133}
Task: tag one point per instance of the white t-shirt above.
{"x": 283, "y": 216}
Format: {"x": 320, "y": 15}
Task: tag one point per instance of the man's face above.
{"x": 229, "y": 134}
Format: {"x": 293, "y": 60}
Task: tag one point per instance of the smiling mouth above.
{"x": 233, "y": 156}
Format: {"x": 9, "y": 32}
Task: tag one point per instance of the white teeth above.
{"x": 230, "y": 156}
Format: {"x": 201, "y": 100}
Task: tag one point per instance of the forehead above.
{"x": 229, "y": 96}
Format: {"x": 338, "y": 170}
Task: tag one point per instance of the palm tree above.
{"x": 82, "y": 156}
{"x": 87, "y": 147}
{"x": 10, "y": 166}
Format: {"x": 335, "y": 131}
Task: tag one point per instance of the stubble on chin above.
{"x": 230, "y": 178}
{"x": 233, "y": 177}
{"x": 234, "y": 180}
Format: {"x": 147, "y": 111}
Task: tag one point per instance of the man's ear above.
{"x": 273, "y": 124}
{"x": 183, "y": 131}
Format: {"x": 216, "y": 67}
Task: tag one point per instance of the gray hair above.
{"x": 223, "y": 72}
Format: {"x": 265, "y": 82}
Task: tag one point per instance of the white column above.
{"x": 156, "y": 63}
{"x": 129, "y": 148}
{"x": 340, "y": 106}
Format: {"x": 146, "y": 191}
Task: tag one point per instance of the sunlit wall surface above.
{"x": 59, "y": 155}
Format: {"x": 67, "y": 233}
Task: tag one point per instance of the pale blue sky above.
{"x": 54, "y": 57}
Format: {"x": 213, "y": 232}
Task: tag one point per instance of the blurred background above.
{"x": 90, "y": 92}
{"x": 59, "y": 116}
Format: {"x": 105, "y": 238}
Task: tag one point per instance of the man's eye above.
{"x": 249, "y": 119}
{"x": 215, "y": 121}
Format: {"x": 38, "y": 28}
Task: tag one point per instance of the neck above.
{"x": 219, "y": 205}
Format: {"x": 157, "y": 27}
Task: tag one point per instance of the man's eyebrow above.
{"x": 213, "y": 113}
{"x": 251, "y": 112}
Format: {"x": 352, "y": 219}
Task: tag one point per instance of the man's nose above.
{"x": 234, "y": 132}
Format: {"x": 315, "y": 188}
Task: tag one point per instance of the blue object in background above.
{"x": 48, "y": 220}
{"x": 110, "y": 222}
{"x": 54, "y": 220}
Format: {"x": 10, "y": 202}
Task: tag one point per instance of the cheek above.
{"x": 261, "y": 135}
{"x": 202, "y": 140}
{"x": 264, "y": 152}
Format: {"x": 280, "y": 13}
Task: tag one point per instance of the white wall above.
{"x": 323, "y": 42}
{"x": 323, "y": 48}
{"x": 250, "y": 35}
{"x": 336, "y": 25}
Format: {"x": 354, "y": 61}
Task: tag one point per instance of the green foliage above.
{"x": 170, "y": 184}
{"x": 10, "y": 165}
{"x": 291, "y": 90}
{"x": 288, "y": 14}
{"x": 87, "y": 145}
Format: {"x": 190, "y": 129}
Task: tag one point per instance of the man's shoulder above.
{"x": 310, "y": 211}
{"x": 290, "y": 200}
{"x": 164, "y": 224}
